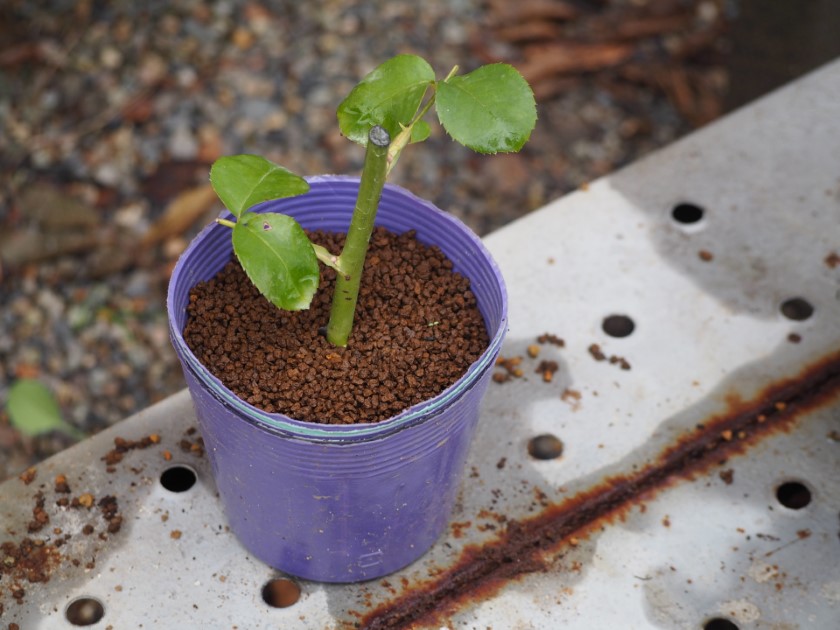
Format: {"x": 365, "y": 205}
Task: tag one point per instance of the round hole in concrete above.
{"x": 545, "y": 446}
{"x": 719, "y": 623}
{"x": 797, "y": 309}
{"x": 618, "y": 326}
{"x": 178, "y": 478}
{"x": 281, "y": 592}
{"x": 84, "y": 611}
{"x": 687, "y": 213}
{"x": 794, "y": 495}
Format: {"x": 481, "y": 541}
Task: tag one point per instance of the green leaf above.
{"x": 278, "y": 257}
{"x": 242, "y": 181}
{"x": 420, "y": 131}
{"x": 489, "y": 110}
{"x": 33, "y": 410}
{"x": 389, "y": 96}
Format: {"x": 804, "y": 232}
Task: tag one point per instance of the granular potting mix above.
{"x": 417, "y": 330}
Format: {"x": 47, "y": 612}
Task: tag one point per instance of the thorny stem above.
{"x": 404, "y": 137}
{"x": 352, "y": 258}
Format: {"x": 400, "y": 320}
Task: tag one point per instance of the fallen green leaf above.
{"x": 33, "y": 410}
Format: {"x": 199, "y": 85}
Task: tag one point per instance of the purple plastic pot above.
{"x": 341, "y": 503}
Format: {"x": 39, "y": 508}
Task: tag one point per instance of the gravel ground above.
{"x": 112, "y": 112}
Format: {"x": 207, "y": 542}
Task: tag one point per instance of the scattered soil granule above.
{"x": 417, "y": 330}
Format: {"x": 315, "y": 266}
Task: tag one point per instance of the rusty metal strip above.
{"x": 484, "y": 570}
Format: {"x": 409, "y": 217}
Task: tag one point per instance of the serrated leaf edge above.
{"x": 459, "y": 86}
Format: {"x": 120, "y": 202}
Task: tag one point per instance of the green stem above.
{"x": 404, "y": 137}
{"x": 352, "y": 257}
{"x": 226, "y": 223}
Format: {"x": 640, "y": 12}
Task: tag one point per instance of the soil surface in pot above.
{"x": 417, "y": 330}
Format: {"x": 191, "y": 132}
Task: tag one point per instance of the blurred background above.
{"x": 112, "y": 112}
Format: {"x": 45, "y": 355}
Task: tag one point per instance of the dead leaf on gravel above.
{"x": 642, "y": 27}
{"x": 139, "y": 109}
{"x": 546, "y": 60}
{"x": 506, "y": 12}
{"x": 529, "y": 31}
{"x": 173, "y": 177}
{"x": 672, "y": 46}
{"x": 27, "y": 246}
{"x": 44, "y": 51}
{"x": 55, "y": 211}
{"x": 180, "y": 214}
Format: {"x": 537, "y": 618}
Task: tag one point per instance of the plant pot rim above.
{"x": 278, "y": 423}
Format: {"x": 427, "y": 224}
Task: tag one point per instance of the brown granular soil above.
{"x": 123, "y": 446}
{"x": 417, "y": 330}
{"x": 31, "y": 560}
